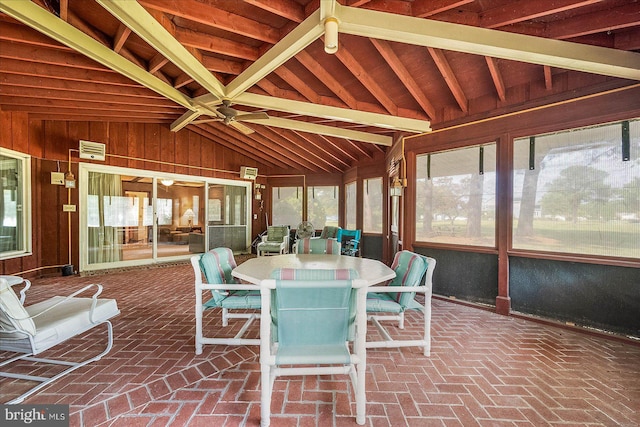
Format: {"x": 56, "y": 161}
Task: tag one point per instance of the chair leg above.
{"x": 44, "y": 381}
{"x": 265, "y": 395}
{"x": 225, "y": 317}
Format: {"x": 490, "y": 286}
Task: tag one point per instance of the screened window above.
{"x": 287, "y": 206}
{"x": 574, "y": 193}
{"x": 350, "y": 206}
{"x": 322, "y": 206}
{"x": 372, "y": 205}
{"x": 15, "y": 217}
{"x": 455, "y": 196}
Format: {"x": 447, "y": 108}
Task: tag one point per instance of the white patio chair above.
{"x": 33, "y": 329}
{"x": 391, "y": 301}
{"x": 307, "y": 325}
{"x": 227, "y": 294}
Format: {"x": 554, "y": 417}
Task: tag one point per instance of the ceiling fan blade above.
{"x": 252, "y": 116}
{"x": 242, "y": 128}
{"x": 206, "y": 121}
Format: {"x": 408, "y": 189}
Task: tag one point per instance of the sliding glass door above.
{"x": 129, "y": 217}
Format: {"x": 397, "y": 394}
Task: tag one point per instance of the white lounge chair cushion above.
{"x": 68, "y": 319}
{"x": 10, "y": 304}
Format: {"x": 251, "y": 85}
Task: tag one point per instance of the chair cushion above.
{"x": 410, "y": 268}
{"x": 236, "y": 300}
{"x": 276, "y": 233}
{"x": 379, "y": 302}
{"x": 217, "y": 265}
{"x": 10, "y": 304}
{"x": 318, "y": 246}
{"x": 67, "y": 319}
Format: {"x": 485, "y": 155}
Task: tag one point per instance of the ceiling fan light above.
{"x": 331, "y": 35}
{"x": 167, "y": 182}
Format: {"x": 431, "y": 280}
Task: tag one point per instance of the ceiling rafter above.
{"x": 286, "y": 8}
{"x": 496, "y": 76}
{"x": 276, "y": 141}
{"x": 326, "y": 78}
{"x": 297, "y": 82}
{"x": 210, "y": 16}
{"x": 488, "y": 42}
{"x": 310, "y": 151}
{"x": 425, "y": 8}
{"x": 353, "y": 65}
{"x": 449, "y": 77}
{"x": 524, "y": 10}
{"x": 121, "y": 37}
{"x": 617, "y": 17}
{"x": 392, "y": 60}
{"x": 45, "y": 22}
{"x": 322, "y": 151}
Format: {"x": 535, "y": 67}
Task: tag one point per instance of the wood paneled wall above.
{"x": 49, "y": 143}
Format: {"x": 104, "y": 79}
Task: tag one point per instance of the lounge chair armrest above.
{"x": 94, "y": 298}
{"x": 23, "y": 291}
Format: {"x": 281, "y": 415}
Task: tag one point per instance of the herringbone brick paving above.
{"x": 484, "y": 370}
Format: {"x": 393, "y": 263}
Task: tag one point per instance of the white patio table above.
{"x": 256, "y": 269}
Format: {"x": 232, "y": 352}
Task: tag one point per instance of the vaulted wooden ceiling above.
{"x": 401, "y": 68}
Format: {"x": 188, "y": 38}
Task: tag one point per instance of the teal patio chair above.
{"x": 227, "y": 294}
{"x": 351, "y": 242}
{"x": 276, "y": 241}
{"x": 318, "y": 246}
{"x": 390, "y": 302}
{"x": 308, "y": 320}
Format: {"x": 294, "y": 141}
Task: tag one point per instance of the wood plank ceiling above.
{"x": 401, "y": 68}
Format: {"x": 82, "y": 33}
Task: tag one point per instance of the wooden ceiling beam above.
{"x": 288, "y": 9}
{"x": 203, "y": 42}
{"x": 548, "y": 78}
{"x": 353, "y": 65}
{"x": 321, "y": 151}
{"x": 211, "y": 134}
{"x": 449, "y": 77}
{"x": 269, "y": 141}
{"x": 46, "y": 23}
{"x": 121, "y": 37}
{"x": 55, "y": 89}
{"x": 220, "y": 65}
{"x": 297, "y": 83}
{"x": 328, "y": 79}
{"x": 211, "y": 16}
{"x": 526, "y": 10}
{"x": 496, "y": 76}
{"x": 426, "y": 8}
{"x": 134, "y": 16}
{"x": 488, "y": 42}
{"x": 597, "y": 22}
{"x": 307, "y": 151}
{"x": 392, "y": 60}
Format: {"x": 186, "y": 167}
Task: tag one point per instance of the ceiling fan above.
{"x": 229, "y": 116}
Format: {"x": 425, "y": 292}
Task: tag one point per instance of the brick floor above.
{"x": 484, "y": 370}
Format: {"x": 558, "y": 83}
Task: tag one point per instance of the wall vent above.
{"x": 248, "y": 173}
{"x": 92, "y": 150}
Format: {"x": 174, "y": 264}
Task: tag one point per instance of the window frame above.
{"x": 560, "y": 255}
{"x": 25, "y": 192}
{"x": 489, "y": 248}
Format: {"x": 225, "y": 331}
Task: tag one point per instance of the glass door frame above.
{"x": 83, "y": 171}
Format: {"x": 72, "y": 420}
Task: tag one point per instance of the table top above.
{"x": 256, "y": 269}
